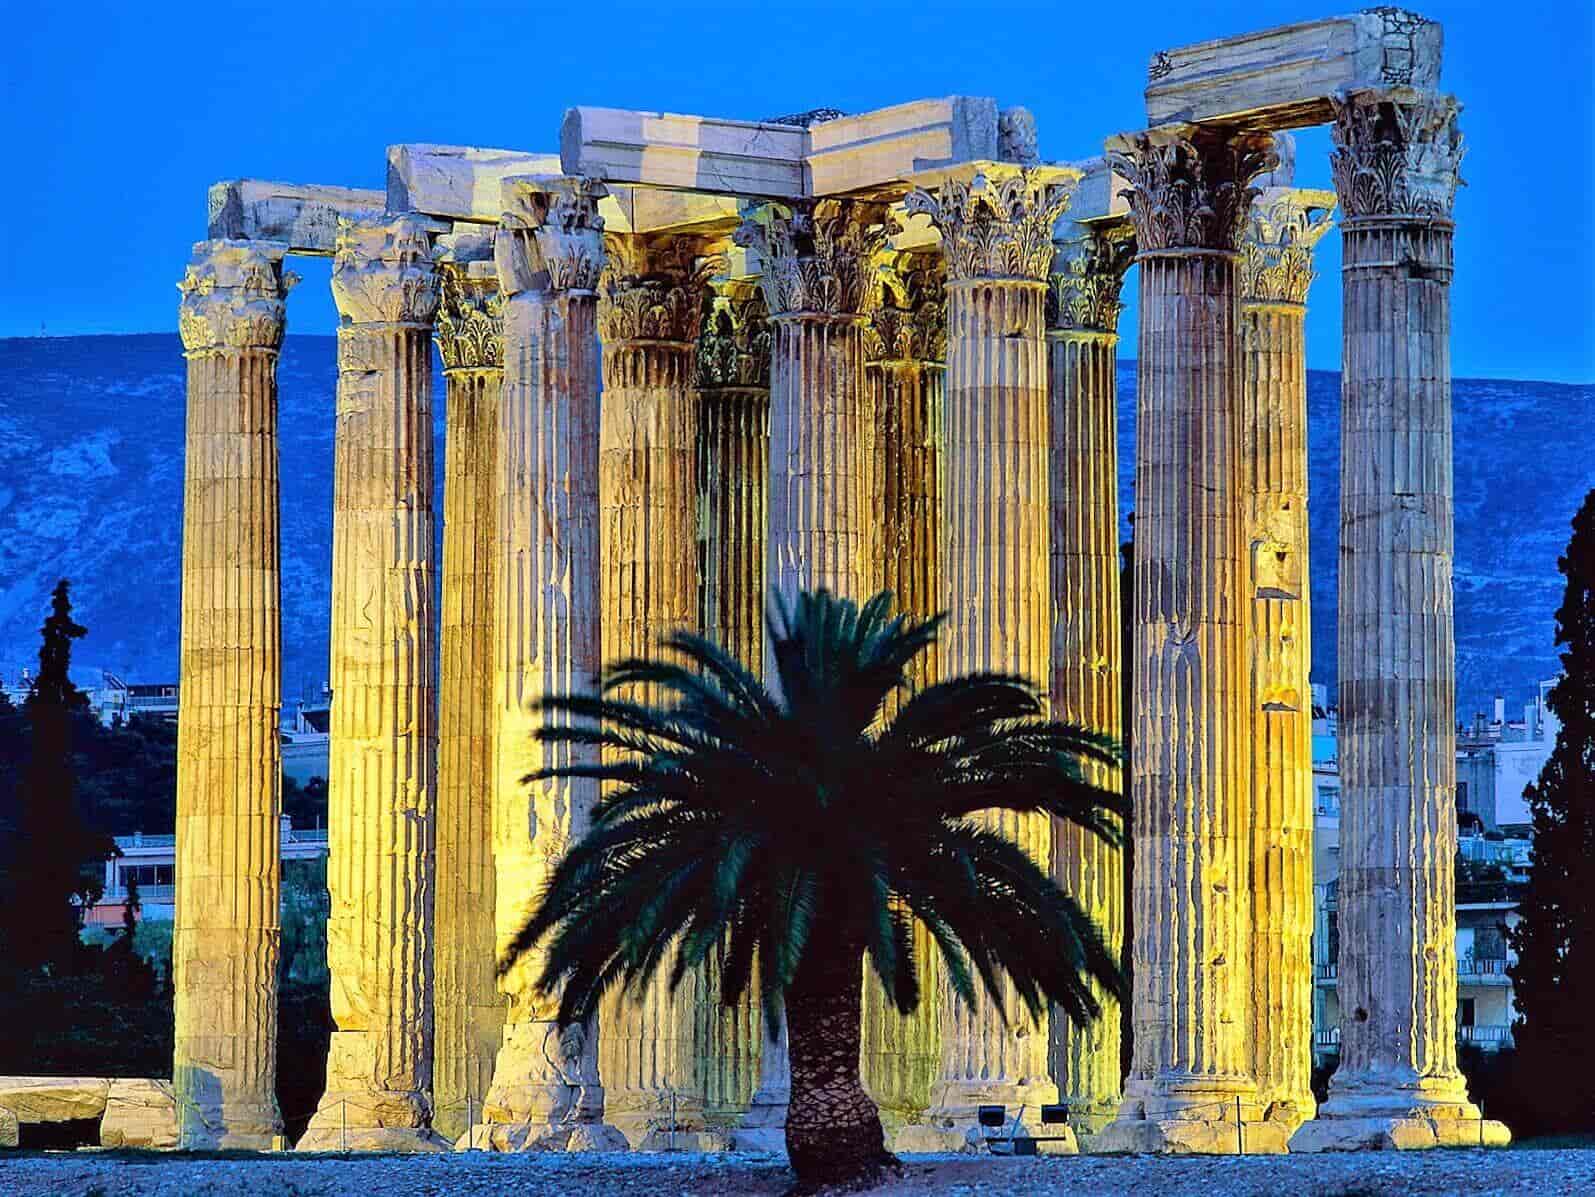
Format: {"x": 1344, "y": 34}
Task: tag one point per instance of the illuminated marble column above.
{"x": 815, "y": 259}
{"x": 733, "y": 462}
{"x": 468, "y": 1010}
{"x": 1189, "y": 194}
{"x": 905, "y": 344}
{"x": 1087, "y": 656}
{"x": 382, "y": 751}
{"x": 546, "y": 1092}
{"x": 226, "y": 932}
{"x": 1275, "y": 271}
{"x": 1395, "y": 163}
{"x": 649, "y": 309}
{"x": 996, "y": 232}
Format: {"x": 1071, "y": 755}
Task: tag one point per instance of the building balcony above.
{"x": 1327, "y": 970}
{"x": 1482, "y": 968}
{"x": 1326, "y": 1037}
{"x": 1489, "y": 1038}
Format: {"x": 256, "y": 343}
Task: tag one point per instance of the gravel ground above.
{"x": 1435, "y": 1172}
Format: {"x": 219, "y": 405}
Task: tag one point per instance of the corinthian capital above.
{"x": 816, "y": 254}
{"x": 1397, "y": 152}
{"x": 233, "y": 294}
{"x": 907, "y": 310}
{"x": 1190, "y": 186}
{"x": 552, "y": 236}
{"x": 1284, "y": 225}
{"x": 652, "y": 287}
{"x": 383, "y": 273}
{"x": 470, "y": 323}
{"x": 734, "y": 346}
{"x": 1087, "y": 274}
{"x": 998, "y": 224}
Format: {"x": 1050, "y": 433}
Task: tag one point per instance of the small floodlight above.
{"x": 990, "y": 1115}
{"x": 1055, "y": 1114}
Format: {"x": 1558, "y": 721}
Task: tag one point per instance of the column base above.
{"x": 953, "y": 1121}
{"x": 763, "y": 1128}
{"x": 647, "y": 1125}
{"x": 1178, "y": 1114}
{"x": 1417, "y": 1132}
{"x": 1088, "y": 1117}
{"x": 387, "y": 1139}
{"x": 572, "y": 1137}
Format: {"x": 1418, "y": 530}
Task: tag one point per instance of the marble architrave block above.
{"x": 303, "y": 218}
{"x": 1285, "y": 77}
{"x": 383, "y": 744}
{"x": 668, "y": 149}
{"x": 226, "y": 934}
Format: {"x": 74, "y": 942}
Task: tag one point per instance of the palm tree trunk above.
{"x": 833, "y": 1130}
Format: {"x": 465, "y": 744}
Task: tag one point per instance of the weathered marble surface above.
{"x": 54, "y": 1098}
{"x": 139, "y": 1113}
{"x": 300, "y": 219}
{"x": 226, "y": 934}
{"x": 1284, "y": 77}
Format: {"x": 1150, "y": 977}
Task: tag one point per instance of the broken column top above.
{"x": 1282, "y": 78}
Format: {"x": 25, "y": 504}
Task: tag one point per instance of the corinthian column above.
{"x": 384, "y": 735}
{"x": 1395, "y": 162}
{"x": 733, "y": 461}
{"x": 1275, "y": 271}
{"x": 549, "y": 251}
{"x": 996, "y": 232}
{"x": 229, "y": 766}
{"x": 468, "y": 1010}
{"x": 1191, "y": 1076}
{"x": 815, "y": 260}
{"x": 650, "y": 306}
{"x": 1087, "y": 657}
{"x": 905, "y": 345}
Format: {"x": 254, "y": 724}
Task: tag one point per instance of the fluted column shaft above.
{"x": 1191, "y": 900}
{"x": 468, "y": 1008}
{"x": 546, "y": 1088}
{"x": 648, "y": 314}
{"x": 227, "y": 933}
{"x": 1395, "y": 166}
{"x": 1087, "y": 653}
{"x": 733, "y": 462}
{"x": 905, "y": 375}
{"x": 1276, "y": 270}
{"x": 996, "y": 239}
{"x": 383, "y": 743}
{"x": 815, "y": 258}
{"x": 818, "y": 459}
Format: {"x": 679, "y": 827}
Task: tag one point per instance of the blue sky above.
{"x": 117, "y": 117}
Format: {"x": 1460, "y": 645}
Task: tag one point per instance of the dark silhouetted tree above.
{"x": 43, "y": 911}
{"x": 1554, "y": 976}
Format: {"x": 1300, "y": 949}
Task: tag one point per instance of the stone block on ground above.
{"x": 1190, "y": 1136}
{"x": 10, "y": 1131}
{"x": 389, "y": 1139}
{"x": 1413, "y": 1133}
{"x": 54, "y": 1098}
{"x": 140, "y": 1113}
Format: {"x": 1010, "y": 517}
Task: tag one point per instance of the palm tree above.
{"x": 799, "y": 831}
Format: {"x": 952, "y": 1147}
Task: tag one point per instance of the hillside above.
{"x": 91, "y": 462}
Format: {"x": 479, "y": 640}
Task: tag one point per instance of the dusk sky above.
{"x": 118, "y": 116}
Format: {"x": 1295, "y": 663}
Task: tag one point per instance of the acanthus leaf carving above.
{"x": 1396, "y": 153}
{"x": 816, "y": 253}
{"x": 734, "y": 345}
{"x": 1087, "y": 277}
{"x": 997, "y": 224}
{"x": 470, "y": 324}
{"x": 233, "y": 298}
{"x": 1285, "y": 224}
{"x": 907, "y": 310}
{"x": 652, "y": 287}
{"x": 1191, "y": 189}
{"x": 384, "y": 273}
{"x": 551, "y": 235}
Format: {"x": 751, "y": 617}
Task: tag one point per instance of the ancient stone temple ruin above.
{"x": 688, "y": 359}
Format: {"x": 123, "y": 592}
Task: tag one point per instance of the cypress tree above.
{"x": 54, "y": 844}
{"x": 1554, "y": 976}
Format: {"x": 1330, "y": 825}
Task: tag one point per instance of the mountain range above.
{"x": 91, "y": 487}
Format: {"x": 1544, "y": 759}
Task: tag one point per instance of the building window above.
{"x": 1333, "y": 937}
{"x": 1462, "y": 796}
{"x": 1466, "y": 1013}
